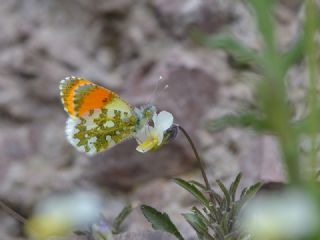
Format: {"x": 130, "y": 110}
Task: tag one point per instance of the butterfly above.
{"x": 99, "y": 118}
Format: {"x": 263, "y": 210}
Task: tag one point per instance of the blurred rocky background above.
{"x": 127, "y": 46}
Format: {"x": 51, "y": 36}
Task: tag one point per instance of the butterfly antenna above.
{"x": 162, "y": 91}
{"x": 15, "y": 215}
{"x": 154, "y": 92}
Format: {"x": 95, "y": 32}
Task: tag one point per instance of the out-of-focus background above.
{"x": 127, "y": 46}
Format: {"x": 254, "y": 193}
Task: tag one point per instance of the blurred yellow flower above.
{"x": 43, "y": 226}
{"x": 61, "y": 215}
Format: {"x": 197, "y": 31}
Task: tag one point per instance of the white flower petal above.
{"x": 160, "y": 135}
{"x": 145, "y": 133}
{"x": 163, "y": 121}
{"x": 140, "y": 136}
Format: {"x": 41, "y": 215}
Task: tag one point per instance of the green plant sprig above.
{"x": 212, "y": 222}
{"x": 217, "y": 220}
{"x": 274, "y": 110}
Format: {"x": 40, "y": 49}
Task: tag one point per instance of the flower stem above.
{"x": 200, "y": 162}
{"x": 311, "y": 56}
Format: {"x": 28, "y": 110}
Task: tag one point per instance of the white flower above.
{"x": 151, "y": 137}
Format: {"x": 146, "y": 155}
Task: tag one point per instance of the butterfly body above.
{"x": 99, "y": 118}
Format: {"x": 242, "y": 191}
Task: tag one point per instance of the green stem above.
{"x": 273, "y": 92}
{"x": 276, "y": 109}
{"x": 200, "y": 162}
{"x": 311, "y": 51}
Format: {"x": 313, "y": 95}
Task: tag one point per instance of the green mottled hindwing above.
{"x": 100, "y": 129}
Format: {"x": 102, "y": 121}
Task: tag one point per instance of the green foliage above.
{"x": 116, "y": 225}
{"x": 160, "y": 221}
{"x": 198, "y": 222}
{"x": 193, "y": 190}
{"x": 227, "y": 42}
{"x": 273, "y": 113}
{"x": 238, "y": 120}
{"x": 217, "y": 220}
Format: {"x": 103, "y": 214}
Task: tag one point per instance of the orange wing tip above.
{"x": 64, "y": 81}
{"x": 67, "y": 89}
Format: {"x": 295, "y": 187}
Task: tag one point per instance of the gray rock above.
{"x": 178, "y": 17}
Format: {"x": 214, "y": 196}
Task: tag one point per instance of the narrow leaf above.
{"x": 241, "y": 53}
{"x": 265, "y": 21}
{"x": 243, "y": 192}
{"x": 120, "y": 218}
{"x": 200, "y": 215}
{"x": 160, "y": 221}
{"x": 240, "y": 120}
{"x": 198, "y": 184}
{"x": 294, "y": 54}
{"x": 234, "y": 186}
{"x": 196, "y": 222}
{"x": 249, "y": 193}
{"x": 252, "y": 190}
{"x": 225, "y": 192}
{"x": 193, "y": 190}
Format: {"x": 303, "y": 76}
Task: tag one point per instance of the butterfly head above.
{"x": 144, "y": 114}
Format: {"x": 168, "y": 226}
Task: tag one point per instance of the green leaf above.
{"x": 225, "y": 192}
{"x": 252, "y": 190}
{"x": 248, "y": 193}
{"x": 218, "y": 199}
{"x": 232, "y": 217}
{"x": 198, "y": 225}
{"x": 225, "y": 223}
{"x": 120, "y": 218}
{"x": 160, "y": 221}
{"x": 200, "y": 215}
{"x": 234, "y": 186}
{"x": 218, "y": 231}
{"x": 263, "y": 11}
{"x": 240, "y": 120}
{"x": 243, "y": 192}
{"x": 294, "y": 54}
{"x": 193, "y": 190}
{"x": 241, "y": 53}
{"x": 198, "y": 184}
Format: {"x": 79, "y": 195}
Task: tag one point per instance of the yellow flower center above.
{"x": 148, "y": 145}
